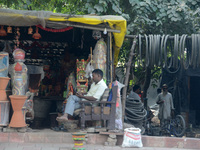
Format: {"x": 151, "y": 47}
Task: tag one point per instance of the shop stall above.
{"x": 55, "y": 55}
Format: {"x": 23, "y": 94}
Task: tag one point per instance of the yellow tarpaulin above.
{"x": 115, "y": 22}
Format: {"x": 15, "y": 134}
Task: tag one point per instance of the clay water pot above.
{"x": 4, "y": 82}
{"x": 17, "y": 119}
{"x": 3, "y": 85}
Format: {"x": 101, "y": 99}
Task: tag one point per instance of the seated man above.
{"x": 135, "y": 92}
{"x": 94, "y": 94}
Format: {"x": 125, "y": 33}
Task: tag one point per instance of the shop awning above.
{"x": 12, "y": 17}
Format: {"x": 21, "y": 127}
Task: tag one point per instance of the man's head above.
{"x": 136, "y": 89}
{"x": 164, "y": 87}
{"x": 97, "y": 75}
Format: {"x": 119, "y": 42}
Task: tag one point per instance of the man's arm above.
{"x": 89, "y": 98}
{"x": 159, "y": 101}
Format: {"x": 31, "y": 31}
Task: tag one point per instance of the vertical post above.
{"x": 127, "y": 77}
{"x": 113, "y": 70}
{"x": 108, "y": 60}
{"x": 111, "y": 62}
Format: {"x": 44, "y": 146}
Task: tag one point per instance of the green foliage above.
{"x": 143, "y": 16}
{"x": 124, "y": 52}
{"x": 57, "y": 6}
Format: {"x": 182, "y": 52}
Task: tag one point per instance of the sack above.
{"x": 132, "y": 138}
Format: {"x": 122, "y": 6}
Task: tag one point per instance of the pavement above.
{"x": 50, "y": 140}
{"x": 62, "y": 146}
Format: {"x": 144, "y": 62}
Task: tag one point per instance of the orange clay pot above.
{"x": 17, "y": 119}
{"x": 3, "y": 85}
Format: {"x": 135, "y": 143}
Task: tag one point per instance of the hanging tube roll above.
{"x": 161, "y": 51}
{"x": 170, "y": 52}
{"x": 184, "y": 59}
{"x": 150, "y": 50}
{"x": 147, "y": 51}
{"x": 140, "y": 51}
{"x": 176, "y": 51}
{"x": 198, "y": 48}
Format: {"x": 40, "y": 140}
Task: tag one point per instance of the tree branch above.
{"x": 127, "y": 77}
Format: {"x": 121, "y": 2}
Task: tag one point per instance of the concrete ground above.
{"x": 50, "y": 140}
{"x": 62, "y": 146}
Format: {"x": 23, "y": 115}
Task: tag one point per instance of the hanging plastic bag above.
{"x": 88, "y": 70}
{"x": 132, "y": 138}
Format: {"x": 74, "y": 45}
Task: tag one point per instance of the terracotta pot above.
{"x": 17, "y": 119}
{"x": 4, "y": 82}
{"x": 3, "y": 85}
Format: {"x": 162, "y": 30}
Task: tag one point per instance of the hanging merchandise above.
{"x": 105, "y": 31}
{"x": 2, "y": 31}
{"x": 17, "y": 36}
{"x": 99, "y": 58}
{"x": 54, "y": 30}
{"x": 9, "y": 29}
{"x": 88, "y": 70}
{"x": 96, "y": 34}
{"x": 30, "y": 30}
{"x": 4, "y": 64}
{"x": 37, "y": 35}
{"x": 19, "y": 73}
{"x": 18, "y": 33}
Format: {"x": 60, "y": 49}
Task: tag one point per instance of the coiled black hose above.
{"x": 160, "y": 51}
{"x": 135, "y": 112}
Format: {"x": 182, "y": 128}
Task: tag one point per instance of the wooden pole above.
{"x": 108, "y": 60}
{"x": 127, "y": 76}
{"x": 111, "y": 73}
{"x": 91, "y": 54}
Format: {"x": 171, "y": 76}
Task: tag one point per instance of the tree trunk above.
{"x": 127, "y": 77}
